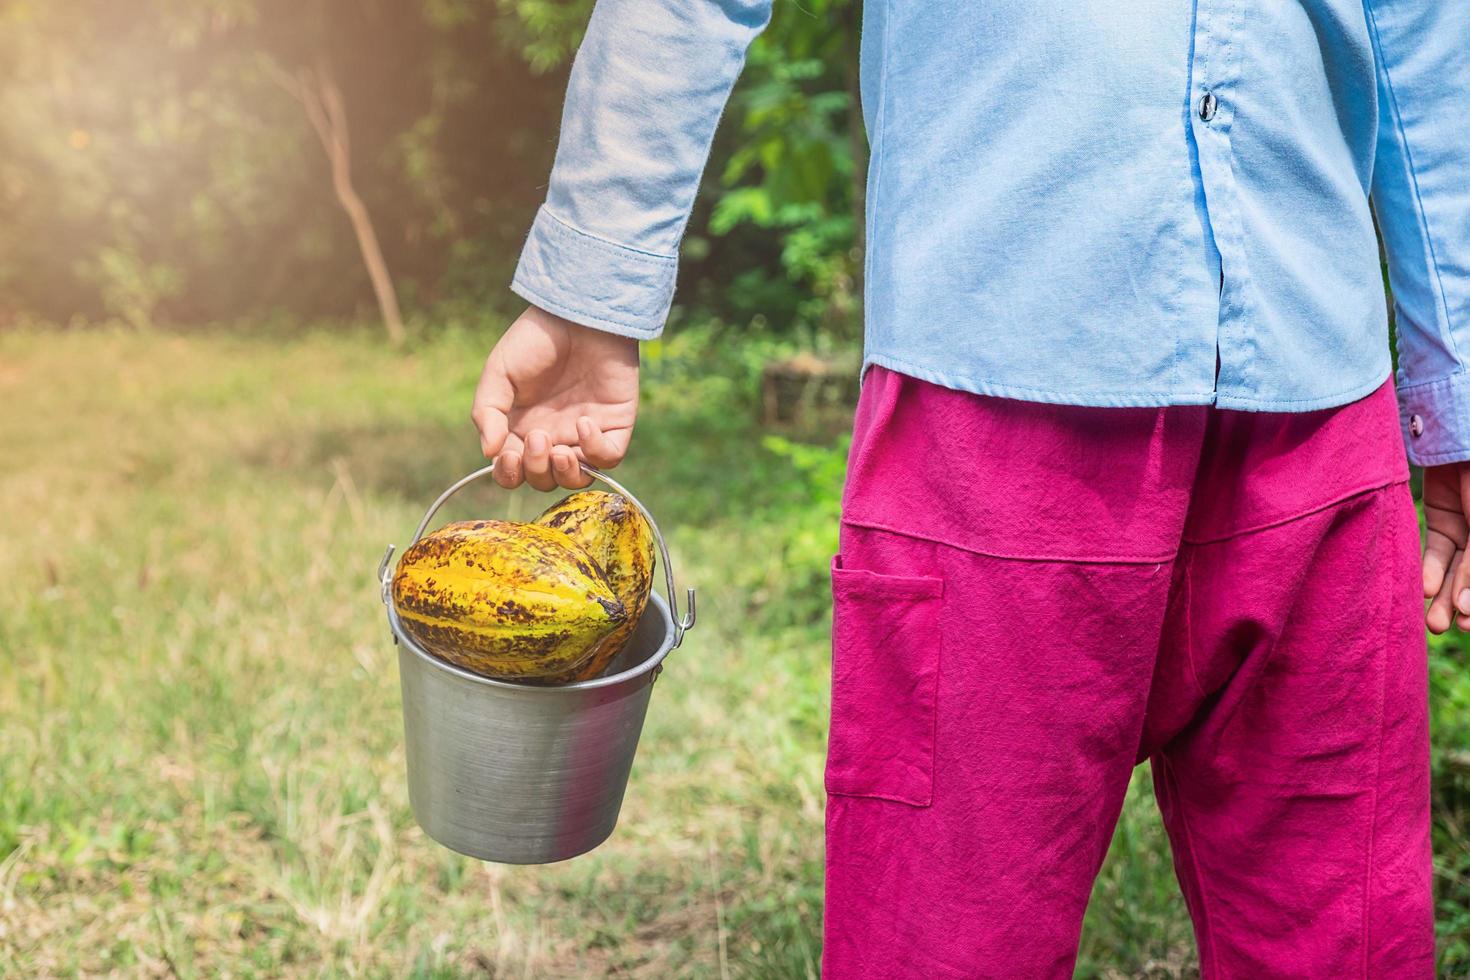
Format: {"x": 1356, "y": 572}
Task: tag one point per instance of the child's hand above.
{"x": 1446, "y": 574}
{"x": 553, "y": 392}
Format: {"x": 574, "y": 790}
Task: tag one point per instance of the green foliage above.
{"x": 545, "y": 32}
{"x": 153, "y": 165}
{"x": 1449, "y": 685}
{"x": 806, "y": 490}
{"x": 131, "y": 289}
{"x": 130, "y": 156}
{"x": 786, "y": 171}
{"x": 795, "y": 166}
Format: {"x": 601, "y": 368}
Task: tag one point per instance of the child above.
{"x": 1128, "y": 477}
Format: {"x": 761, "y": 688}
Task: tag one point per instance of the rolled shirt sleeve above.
{"x": 647, "y": 88}
{"x": 1421, "y": 192}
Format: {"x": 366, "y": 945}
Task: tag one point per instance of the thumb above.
{"x": 493, "y": 428}
{"x": 494, "y": 396}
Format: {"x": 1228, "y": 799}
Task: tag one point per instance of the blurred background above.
{"x": 252, "y": 255}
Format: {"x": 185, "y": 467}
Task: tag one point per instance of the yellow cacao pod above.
{"x": 511, "y": 601}
{"x": 615, "y": 534}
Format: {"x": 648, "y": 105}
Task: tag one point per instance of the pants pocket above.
{"x": 885, "y": 685}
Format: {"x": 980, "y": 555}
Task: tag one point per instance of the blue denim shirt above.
{"x": 1089, "y": 203}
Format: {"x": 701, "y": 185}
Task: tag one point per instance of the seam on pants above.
{"x": 1388, "y": 621}
{"x": 1205, "y": 932}
{"x": 1269, "y": 523}
{"x": 1160, "y": 559}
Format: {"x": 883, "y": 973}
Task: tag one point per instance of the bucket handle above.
{"x": 682, "y": 623}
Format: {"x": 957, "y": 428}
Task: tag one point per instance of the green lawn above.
{"x": 201, "y": 768}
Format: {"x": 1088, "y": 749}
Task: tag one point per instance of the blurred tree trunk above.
{"x": 320, "y": 96}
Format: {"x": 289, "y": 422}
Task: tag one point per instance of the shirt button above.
{"x": 1208, "y": 106}
{"x": 1416, "y": 426}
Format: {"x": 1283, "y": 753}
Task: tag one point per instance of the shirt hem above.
{"x": 1422, "y": 460}
{"x": 1122, "y": 399}
{"x": 1090, "y": 399}
{"x": 1334, "y": 400}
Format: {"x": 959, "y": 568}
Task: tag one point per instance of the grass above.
{"x": 200, "y": 745}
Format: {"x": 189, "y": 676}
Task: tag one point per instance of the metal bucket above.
{"x": 518, "y": 774}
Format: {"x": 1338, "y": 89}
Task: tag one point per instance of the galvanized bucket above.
{"x": 518, "y": 774}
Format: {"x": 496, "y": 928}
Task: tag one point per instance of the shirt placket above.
{"x": 1214, "y": 79}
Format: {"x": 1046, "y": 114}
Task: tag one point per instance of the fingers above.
{"x": 548, "y": 466}
{"x": 517, "y": 464}
{"x": 601, "y": 449}
{"x": 1460, "y": 590}
{"x": 1441, "y": 610}
{"x": 509, "y": 471}
{"x": 568, "y": 469}
{"x": 1439, "y": 549}
{"x": 537, "y": 461}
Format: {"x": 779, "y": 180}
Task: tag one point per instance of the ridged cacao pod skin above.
{"x": 511, "y": 601}
{"x": 617, "y": 536}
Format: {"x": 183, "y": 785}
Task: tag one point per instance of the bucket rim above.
{"x": 647, "y": 665}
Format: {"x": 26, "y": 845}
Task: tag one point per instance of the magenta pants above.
{"x": 1032, "y": 599}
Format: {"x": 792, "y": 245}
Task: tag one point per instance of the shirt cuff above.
{"x": 594, "y": 282}
{"x": 1436, "y": 420}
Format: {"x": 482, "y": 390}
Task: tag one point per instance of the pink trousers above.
{"x": 1032, "y": 599}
